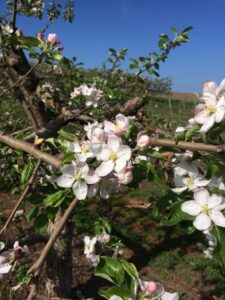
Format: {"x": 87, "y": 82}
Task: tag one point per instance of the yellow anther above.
{"x": 205, "y": 209}
{"x": 211, "y": 109}
{"x": 113, "y": 156}
{"x": 77, "y": 177}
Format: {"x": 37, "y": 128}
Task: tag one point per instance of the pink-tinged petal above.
{"x": 114, "y": 142}
{"x": 208, "y": 124}
{"x": 191, "y": 207}
{"x": 105, "y": 168}
{"x": 179, "y": 189}
{"x": 210, "y": 87}
{"x": 109, "y": 127}
{"x": 122, "y": 121}
{"x": 105, "y": 153}
{"x": 80, "y": 189}
{"x": 5, "y": 268}
{"x": 65, "y": 181}
{"x": 92, "y": 177}
{"x": 202, "y": 222}
{"x": 214, "y": 200}
{"x": 124, "y": 152}
{"x": 120, "y": 164}
{"x": 82, "y": 168}
{"x": 202, "y": 116}
{"x": 221, "y": 88}
{"x": 69, "y": 169}
{"x": 217, "y": 217}
{"x": 219, "y": 116}
{"x": 199, "y": 108}
{"x": 201, "y": 196}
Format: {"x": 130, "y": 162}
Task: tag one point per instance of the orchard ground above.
{"x": 164, "y": 254}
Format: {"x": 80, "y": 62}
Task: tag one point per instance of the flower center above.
{"x": 78, "y": 177}
{"x": 211, "y": 109}
{"x": 205, "y": 209}
{"x": 189, "y": 182}
{"x": 84, "y": 148}
{"x": 118, "y": 127}
{"x": 113, "y": 156}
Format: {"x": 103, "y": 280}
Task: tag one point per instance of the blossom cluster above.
{"x": 91, "y": 94}
{"x": 105, "y": 150}
{"x": 52, "y": 41}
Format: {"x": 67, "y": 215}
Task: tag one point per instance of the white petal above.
{"x": 202, "y": 116}
{"x": 170, "y": 296}
{"x": 120, "y": 164}
{"x": 221, "y": 88}
{"x": 201, "y": 196}
{"x": 80, "y": 190}
{"x": 114, "y": 142}
{"x": 105, "y": 168}
{"x": 217, "y": 217}
{"x": 179, "y": 189}
{"x": 124, "y": 152}
{"x": 69, "y": 169}
{"x": 214, "y": 200}
{"x": 208, "y": 124}
{"x": 105, "y": 153}
{"x": 219, "y": 116}
{"x": 65, "y": 181}
{"x": 5, "y": 268}
{"x": 191, "y": 207}
{"x": 92, "y": 177}
{"x": 202, "y": 222}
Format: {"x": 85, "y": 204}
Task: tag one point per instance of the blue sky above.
{"x": 136, "y": 25}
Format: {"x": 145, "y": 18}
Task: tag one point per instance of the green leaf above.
{"x": 56, "y": 199}
{"x": 176, "y": 215}
{"x": 191, "y": 132}
{"x": 41, "y": 223}
{"x": 110, "y": 269}
{"x": 68, "y": 157}
{"x": 32, "y": 213}
{"x": 108, "y": 292}
{"x": 57, "y": 56}
{"x": 27, "y": 172}
{"x": 29, "y": 41}
{"x": 219, "y": 252}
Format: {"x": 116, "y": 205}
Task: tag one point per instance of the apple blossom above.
{"x": 143, "y": 140}
{"x": 77, "y": 175}
{"x": 206, "y": 209}
{"x": 187, "y": 177}
{"x": 52, "y": 38}
{"x": 83, "y": 151}
{"x": 151, "y": 287}
{"x": 114, "y": 156}
{"x": 169, "y": 296}
{"x": 213, "y": 111}
{"x": 119, "y": 128}
{"x": 103, "y": 238}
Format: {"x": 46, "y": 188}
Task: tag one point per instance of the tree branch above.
{"x": 24, "y": 194}
{"x": 14, "y": 13}
{"x": 37, "y": 266}
{"x": 28, "y": 148}
{"x": 188, "y": 145}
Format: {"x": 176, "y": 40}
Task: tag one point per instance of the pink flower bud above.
{"x": 52, "y": 38}
{"x": 60, "y": 48}
{"x": 143, "y": 140}
{"x": 40, "y": 35}
{"x": 151, "y": 287}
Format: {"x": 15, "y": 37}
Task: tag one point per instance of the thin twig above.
{"x": 22, "y": 130}
{"x": 20, "y": 79}
{"x": 28, "y": 148}
{"x": 37, "y": 266}
{"x": 24, "y": 194}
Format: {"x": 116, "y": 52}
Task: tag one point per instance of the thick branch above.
{"x": 24, "y": 194}
{"x": 37, "y": 266}
{"x": 28, "y": 148}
